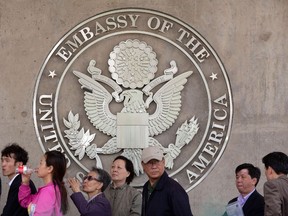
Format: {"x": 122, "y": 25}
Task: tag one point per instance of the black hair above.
{"x": 278, "y": 161}
{"x": 128, "y": 166}
{"x": 253, "y": 171}
{"x": 103, "y": 177}
{"x": 57, "y": 160}
{"x": 15, "y": 151}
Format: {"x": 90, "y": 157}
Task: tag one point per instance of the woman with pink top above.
{"x": 51, "y": 199}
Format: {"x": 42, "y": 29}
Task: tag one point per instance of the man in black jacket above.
{"x": 13, "y": 156}
{"x": 247, "y": 178}
{"x": 162, "y": 195}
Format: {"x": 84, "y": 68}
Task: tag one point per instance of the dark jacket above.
{"x": 254, "y": 205}
{"x": 12, "y": 207}
{"x": 167, "y": 199}
{"x": 97, "y": 206}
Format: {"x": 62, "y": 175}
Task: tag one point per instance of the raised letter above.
{"x": 191, "y": 175}
{"x": 182, "y": 34}
{"x": 99, "y": 27}
{"x": 46, "y": 127}
{"x": 47, "y": 113}
{"x": 210, "y": 149}
{"x": 220, "y": 100}
{"x": 110, "y": 21}
{"x": 86, "y": 34}
{"x": 63, "y": 54}
{"x": 166, "y": 25}
{"x": 123, "y": 21}
{"x": 222, "y": 127}
{"x": 194, "y": 45}
{"x": 203, "y": 53}
{"x": 43, "y": 97}
{"x": 199, "y": 165}
{"x": 220, "y": 118}
{"x": 53, "y": 136}
{"x": 214, "y": 136}
{"x": 157, "y": 23}
{"x": 133, "y": 20}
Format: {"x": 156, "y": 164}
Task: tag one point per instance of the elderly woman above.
{"x": 124, "y": 199}
{"x": 93, "y": 185}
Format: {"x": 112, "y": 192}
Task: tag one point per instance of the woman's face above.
{"x": 118, "y": 171}
{"x": 91, "y": 184}
{"x": 43, "y": 170}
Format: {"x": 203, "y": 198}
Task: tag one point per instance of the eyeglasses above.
{"x": 90, "y": 178}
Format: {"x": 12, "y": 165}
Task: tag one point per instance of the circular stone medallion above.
{"x": 127, "y": 79}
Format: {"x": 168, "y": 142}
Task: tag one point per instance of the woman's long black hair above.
{"x": 58, "y": 161}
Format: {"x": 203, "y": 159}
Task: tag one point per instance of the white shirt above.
{"x": 242, "y": 200}
{"x": 11, "y": 181}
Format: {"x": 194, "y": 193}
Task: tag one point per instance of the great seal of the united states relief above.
{"x": 130, "y": 78}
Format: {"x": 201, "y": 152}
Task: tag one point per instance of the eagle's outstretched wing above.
{"x": 168, "y": 101}
{"x": 96, "y": 103}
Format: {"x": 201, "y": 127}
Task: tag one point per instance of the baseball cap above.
{"x": 152, "y": 152}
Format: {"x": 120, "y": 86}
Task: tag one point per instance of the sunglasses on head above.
{"x": 90, "y": 178}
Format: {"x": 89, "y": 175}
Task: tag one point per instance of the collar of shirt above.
{"x": 11, "y": 181}
{"x": 242, "y": 200}
{"x": 118, "y": 188}
{"x": 94, "y": 197}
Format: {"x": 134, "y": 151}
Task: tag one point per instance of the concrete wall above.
{"x": 249, "y": 36}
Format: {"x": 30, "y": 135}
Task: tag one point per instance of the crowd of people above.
{"x": 251, "y": 203}
{"x": 112, "y": 195}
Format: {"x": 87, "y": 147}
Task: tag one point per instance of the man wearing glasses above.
{"x": 93, "y": 185}
{"x": 161, "y": 194}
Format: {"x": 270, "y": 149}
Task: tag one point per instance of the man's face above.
{"x": 154, "y": 169}
{"x": 244, "y": 183}
{"x": 9, "y": 165}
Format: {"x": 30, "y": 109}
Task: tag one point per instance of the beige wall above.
{"x": 249, "y": 36}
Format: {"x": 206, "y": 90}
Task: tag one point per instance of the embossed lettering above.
{"x": 191, "y": 175}
{"x": 46, "y": 97}
{"x": 45, "y": 116}
{"x": 221, "y": 100}
{"x": 201, "y": 164}
{"x": 194, "y": 45}
{"x": 210, "y": 149}
{"x": 64, "y": 54}
{"x": 154, "y": 23}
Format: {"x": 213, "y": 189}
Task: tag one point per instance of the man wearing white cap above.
{"x": 161, "y": 194}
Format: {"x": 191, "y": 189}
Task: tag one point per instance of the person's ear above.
{"x": 19, "y": 163}
{"x": 50, "y": 168}
{"x": 100, "y": 186}
{"x": 270, "y": 170}
{"x": 254, "y": 180}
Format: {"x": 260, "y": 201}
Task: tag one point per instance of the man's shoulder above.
{"x": 174, "y": 186}
{"x": 256, "y": 197}
{"x": 282, "y": 180}
{"x": 257, "y": 194}
{"x": 132, "y": 190}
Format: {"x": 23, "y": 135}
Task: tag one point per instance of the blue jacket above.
{"x": 167, "y": 199}
{"x": 97, "y": 206}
